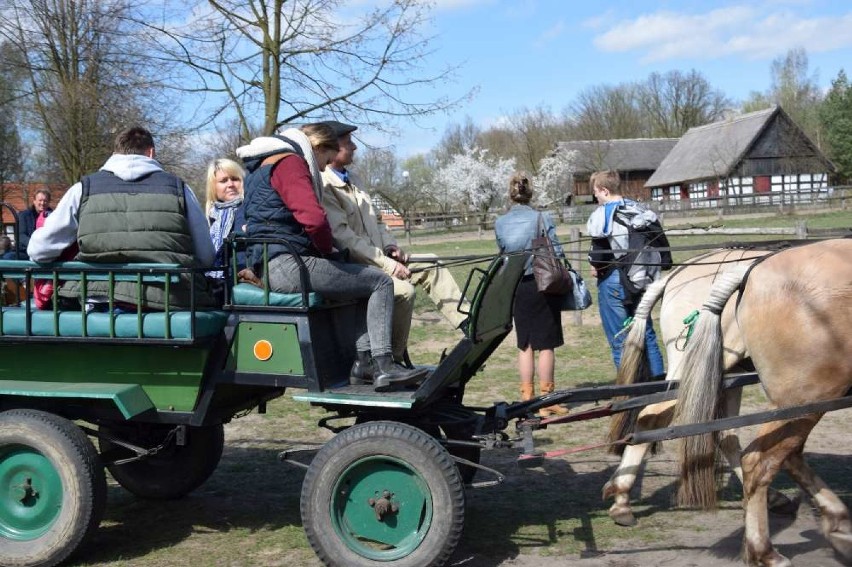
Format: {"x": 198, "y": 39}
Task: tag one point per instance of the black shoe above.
{"x": 389, "y": 374}
{"x": 362, "y": 370}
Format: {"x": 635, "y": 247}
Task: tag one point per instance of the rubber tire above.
{"x": 473, "y": 454}
{"x": 174, "y": 472}
{"x": 420, "y": 452}
{"x": 76, "y": 462}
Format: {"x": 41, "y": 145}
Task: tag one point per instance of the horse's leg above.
{"x": 834, "y": 515}
{"x": 762, "y": 460}
{"x": 618, "y": 487}
{"x": 729, "y": 444}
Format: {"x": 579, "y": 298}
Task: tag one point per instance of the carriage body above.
{"x": 146, "y": 394}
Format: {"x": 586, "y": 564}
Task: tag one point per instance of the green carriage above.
{"x": 145, "y": 395}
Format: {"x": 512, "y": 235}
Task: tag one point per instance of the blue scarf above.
{"x": 222, "y": 217}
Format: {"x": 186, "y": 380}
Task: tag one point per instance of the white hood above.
{"x": 130, "y": 167}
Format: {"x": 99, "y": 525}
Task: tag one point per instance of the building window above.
{"x": 738, "y": 186}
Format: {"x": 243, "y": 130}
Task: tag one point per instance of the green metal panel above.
{"x": 130, "y": 399}
{"x": 404, "y": 401}
{"x": 170, "y": 376}
{"x": 283, "y": 337}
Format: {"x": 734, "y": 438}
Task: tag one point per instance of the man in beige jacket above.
{"x": 357, "y": 227}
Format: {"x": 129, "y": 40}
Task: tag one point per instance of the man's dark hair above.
{"x": 134, "y": 140}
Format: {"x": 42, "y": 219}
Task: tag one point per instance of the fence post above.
{"x": 574, "y": 248}
{"x": 801, "y": 229}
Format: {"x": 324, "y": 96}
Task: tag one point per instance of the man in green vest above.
{"x": 131, "y": 210}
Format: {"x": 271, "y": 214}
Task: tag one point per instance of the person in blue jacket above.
{"x": 537, "y": 316}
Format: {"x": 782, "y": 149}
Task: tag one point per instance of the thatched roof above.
{"x": 712, "y": 150}
{"x": 638, "y": 154}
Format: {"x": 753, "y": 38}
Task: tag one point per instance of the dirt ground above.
{"x": 688, "y": 538}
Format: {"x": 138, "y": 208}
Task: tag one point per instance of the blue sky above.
{"x": 528, "y": 53}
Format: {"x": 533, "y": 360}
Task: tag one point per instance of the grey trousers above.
{"x": 340, "y": 281}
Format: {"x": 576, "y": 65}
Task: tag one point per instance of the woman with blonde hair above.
{"x": 538, "y": 316}
{"x": 283, "y": 196}
{"x": 224, "y": 203}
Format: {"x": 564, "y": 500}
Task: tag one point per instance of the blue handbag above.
{"x": 579, "y": 298}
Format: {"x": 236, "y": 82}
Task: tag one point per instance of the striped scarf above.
{"x": 221, "y": 216}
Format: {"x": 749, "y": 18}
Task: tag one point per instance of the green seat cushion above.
{"x": 207, "y": 323}
{"x": 247, "y": 294}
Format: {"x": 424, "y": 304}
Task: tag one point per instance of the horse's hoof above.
{"x": 775, "y": 559}
{"x": 622, "y": 516}
{"x": 782, "y": 505}
{"x": 842, "y": 544}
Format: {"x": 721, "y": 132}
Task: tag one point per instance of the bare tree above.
{"x": 607, "y": 113}
{"x": 675, "y": 102}
{"x": 535, "y": 132}
{"x": 11, "y": 157}
{"x": 84, "y": 77}
{"x": 298, "y": 60}
{"x": 457, "y": 139}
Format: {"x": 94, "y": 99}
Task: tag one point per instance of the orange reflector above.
{"x": 263, "y": 350}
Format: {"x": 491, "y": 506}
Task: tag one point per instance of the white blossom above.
{"x": 474, "y": 179}
{"x": 555, "y": 179}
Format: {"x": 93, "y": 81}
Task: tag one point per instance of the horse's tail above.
{"x": 700, "y": 374}
{"x": 633, "y": 366}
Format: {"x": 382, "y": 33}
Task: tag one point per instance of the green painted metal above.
{"x": 354, "y": 520}
{"x": 286, "y": 354}
{"x": 402, "y": 401}
{"x": 130, "y": 399}
{"x": 170, "y": 377}
{"x": 30, "y": 493}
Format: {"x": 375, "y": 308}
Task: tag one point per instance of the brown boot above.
{"x": 554, "y": 410}
{"x": 527, "y": 392}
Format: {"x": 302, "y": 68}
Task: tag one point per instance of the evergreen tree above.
{"x": 836, "y": 117}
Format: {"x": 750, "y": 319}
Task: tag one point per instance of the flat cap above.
{"x": 340, "y": 129}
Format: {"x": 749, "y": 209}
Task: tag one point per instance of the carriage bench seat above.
{"x": 153, "y": 325}
{"x": 249, "y": 295}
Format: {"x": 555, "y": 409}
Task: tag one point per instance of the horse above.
{"x": 795, "y": 321}
{"x": 682, "y": 292}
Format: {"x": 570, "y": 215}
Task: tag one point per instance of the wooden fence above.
{"x": 833, "y": 198}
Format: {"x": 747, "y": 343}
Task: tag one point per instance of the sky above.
{"x": 529, "y": 53}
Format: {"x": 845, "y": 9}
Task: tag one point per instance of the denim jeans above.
{"x": 336, "y": 280}
{"x": 613, "y": 315}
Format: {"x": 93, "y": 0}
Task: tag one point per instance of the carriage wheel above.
{"x": 383, "y": 493}
{"x": 173, "y": 472}
{"x": 52, "y": 488}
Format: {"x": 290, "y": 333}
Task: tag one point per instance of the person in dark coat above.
{"x": 28, "y": 219}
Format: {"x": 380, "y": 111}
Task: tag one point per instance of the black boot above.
{"x": 388, "y": 374}
{"x": 362, "y": 369}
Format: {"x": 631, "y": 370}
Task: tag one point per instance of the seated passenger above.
{"x": 282, "y": 201}
{"x": 224, "y": 206}
{"x": 357, "y": 227}
{"x": 131, "y": 211}
{"x": 7, "y": 252}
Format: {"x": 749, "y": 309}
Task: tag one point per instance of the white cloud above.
{"x": 754, "y": 33}
{"x": 550, "y": 34}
